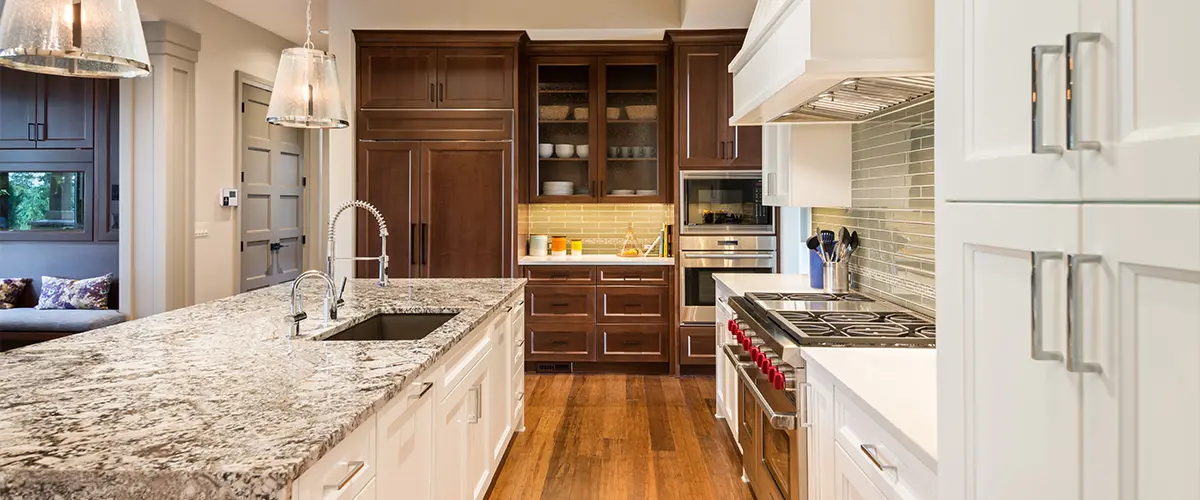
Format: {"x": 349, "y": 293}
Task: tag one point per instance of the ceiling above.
{"x": 282, "y": 17}
{"x": 286, "y": 18}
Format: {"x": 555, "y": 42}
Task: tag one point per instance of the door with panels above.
{"x": 1007, "y": 406}
{"x": 701, "y": 96}
{"x": 1136, "y": 341}
{"x": 465, "y": 184}
{"x": 987, "y": 72}
{"x": 271, "y": 210}
{"x": 18, "y": 109}
{"x": 1132, "y": 82}
{"x": 387, "y": 177}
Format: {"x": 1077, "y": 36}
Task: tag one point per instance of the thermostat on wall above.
{"x": 229, "y": 197}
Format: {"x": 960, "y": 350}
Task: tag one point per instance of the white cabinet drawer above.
{"x": 894, "y": 469}
{"x": 344, "y": 471}
{"x": 469, "y": 352}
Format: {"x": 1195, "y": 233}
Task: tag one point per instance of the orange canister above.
{"x": 558, "y": 246}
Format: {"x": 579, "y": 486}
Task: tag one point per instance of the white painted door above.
{"x": 368, "y": 492}
{"x": 984, "y": 100}
{"x": 1136, "y": 84}
{"x": 821, "y": 436}
{"x": 272, "y": 196}
{"x": 850, "y": 482}
{"x": 497, "y": 399}
{"x": 1007, "y": 422}
{"x": 404, "y": 463}
{"x": 463, "y": 453}
{"x": 1141, "y": 330}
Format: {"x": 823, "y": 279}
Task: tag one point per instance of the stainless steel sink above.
{"x": 393, "y": 327}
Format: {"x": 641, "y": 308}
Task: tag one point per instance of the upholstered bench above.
{"x": 25, "y": 325}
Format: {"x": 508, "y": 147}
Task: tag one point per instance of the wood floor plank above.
{"x": 616, "y": 437}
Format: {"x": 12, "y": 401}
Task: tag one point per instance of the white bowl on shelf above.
{"x": 564, "y": 150}
{"x": 545, "y": 150}
{"x": 622, "y": 192}
{"x": 646, "y": 192}
{"x": 582, "y": 150}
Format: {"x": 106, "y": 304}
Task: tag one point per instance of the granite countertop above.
{"x": 898, "y": 386}
{"x": 596, "y": 259}
{"x": 214, "y": 401}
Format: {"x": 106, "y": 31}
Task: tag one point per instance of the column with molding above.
{"x": 157, "y": 143}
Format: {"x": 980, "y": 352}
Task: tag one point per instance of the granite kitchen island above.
{"x": 215, "y": 401}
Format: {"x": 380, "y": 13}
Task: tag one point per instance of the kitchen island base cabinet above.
{"x": 443, "y": 437}
{"x": 851, "y": 483}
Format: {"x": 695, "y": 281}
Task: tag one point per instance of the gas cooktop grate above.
{"x": 859, "y": 326}
{"x": 810, "y": 297}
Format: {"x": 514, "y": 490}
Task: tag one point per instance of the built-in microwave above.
{"x": 723, "y": 202}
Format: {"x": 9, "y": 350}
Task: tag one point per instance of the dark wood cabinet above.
{"x": 426, "y": 77}
{"x": 697, "y": 345}
{"x": 566, "y": 306}
{"x": 18, "y": 109}
{"x": 464, "y": 224}
{"x": 446, "y": 207}
{"x": 702, "y": 77}
{"x": 397, "y": 78}
{"x": 624, "y": 343}
{"x": 704, "y": 99}
{"x": 46, "y": 112}
{"x": 387, "y": 176}
{"x": 470, "y": 78}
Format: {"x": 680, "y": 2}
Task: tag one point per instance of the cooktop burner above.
{"x": 864, "y": 328}
{"x": 810, "y": 297}
{"x": 875, "y": 330}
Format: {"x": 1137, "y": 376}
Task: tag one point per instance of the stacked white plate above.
{"x": 647, "y": 192}
{"x": 558, "y": 188}
{"x": 622, "y": 192}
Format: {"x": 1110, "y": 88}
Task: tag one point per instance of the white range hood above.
{"x": 832, "y": 61}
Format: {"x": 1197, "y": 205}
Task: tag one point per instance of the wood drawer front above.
{"x": 697, "y": 345}
{"x": 435, "y": 124}
{"x": 560, "y": 274}
{"x": 633, "y": 304}
{"x": 856, "y": 429}
{"x": 630, "y": 275}
{"x": 561, "y": 342}
{"x": 632, "y": 342}
{"x": 344, "y": 471}
{"x": 559, "y": 303}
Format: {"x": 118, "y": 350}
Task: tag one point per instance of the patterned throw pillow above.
{"x": 10, "y": 290}
{"x": 63, "y": 293}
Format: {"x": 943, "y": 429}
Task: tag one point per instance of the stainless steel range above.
{"x": 764, "y": 342}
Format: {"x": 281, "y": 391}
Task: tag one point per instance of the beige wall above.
{"x": 228, "y": 44}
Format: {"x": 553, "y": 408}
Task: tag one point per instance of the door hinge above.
{"x": 243, "y": 107}
{"x": 243, "y": 177}
{"x": 243, "y": 246}
{"x": 303, "y": 239}
{"x": 304, "y": 181}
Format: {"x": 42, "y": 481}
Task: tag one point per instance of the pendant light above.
{"x": 91, "y": 38}
{"x": 306, "y": 92}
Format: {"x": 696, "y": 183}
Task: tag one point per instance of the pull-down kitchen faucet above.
{"x": 383, "y": 234}
{"x": 332, "y": 301}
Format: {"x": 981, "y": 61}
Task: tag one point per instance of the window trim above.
{"x": 88, "y": 184}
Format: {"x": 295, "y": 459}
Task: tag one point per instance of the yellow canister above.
{"x": 576, "y": 247}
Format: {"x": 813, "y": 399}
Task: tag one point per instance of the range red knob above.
{"x": 755, "y": 354}
{"x": 771, "y": 372}
{"x": 766, "y": 365}
{"x": 731, "y": 325}
{"x": 779, "y": 381}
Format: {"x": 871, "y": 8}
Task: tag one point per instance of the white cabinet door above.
{"x": 463, "y": 454}
{"x": 850, "y": 482}
{"x": 497, "y": 397}
{"x": 1141, "y": 330}
{"x": 1006, "y": 422}
{"x": 1135, "y": 85}
{"x": 405, "y": 432}
{"x": 368, "y": 492}
{"x": 821, "y": 434}
{"x": 776, "y": 168}
{"x": 727, "y": 377}
{"x": 984, "y": 68}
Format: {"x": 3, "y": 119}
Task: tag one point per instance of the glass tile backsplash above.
{"x": 601, "y": 225}
{"x": 891, "y": 208}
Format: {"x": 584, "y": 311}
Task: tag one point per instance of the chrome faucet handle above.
{"x": 296, "y": 319}
{"x": 333, "y": 309}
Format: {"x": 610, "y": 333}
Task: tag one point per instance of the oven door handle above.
{"x": 726, "y": 256}
{"x": 779, "y": 420}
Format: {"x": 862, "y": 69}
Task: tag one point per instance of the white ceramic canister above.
{"x": 538, "y": 245}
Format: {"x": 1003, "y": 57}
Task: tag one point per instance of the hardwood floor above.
{"x": 620, "y": 437}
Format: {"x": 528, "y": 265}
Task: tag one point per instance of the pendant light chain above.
{"x": 308, "y": 26}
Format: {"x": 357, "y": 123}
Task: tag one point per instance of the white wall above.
{"x": 228, "y": 44}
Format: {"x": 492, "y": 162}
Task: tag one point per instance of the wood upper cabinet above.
{"x": 702, "y": 85}
{"x": 475, "y": 78}
{"x": 705, "y": 103}
{"x": 387, "y": 177}
{"x": 426, "y": 78}
{"x": 391, "y": 78}
{"x": 41, "y": 111}
{"x": 465, "y": 225}
{"x": 18, "y": 108}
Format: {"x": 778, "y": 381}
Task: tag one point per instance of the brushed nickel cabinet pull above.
{"x": 1036, "y": 316}
{"x": 1038, "y": 53}
{"x": 1075, "y": 361}
{"x": 1074, "y": 96}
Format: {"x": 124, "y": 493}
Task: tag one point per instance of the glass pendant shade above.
{"x": 92, "y": 38}
{"x": 306, "y": 93}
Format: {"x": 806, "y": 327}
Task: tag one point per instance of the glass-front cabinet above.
{"x": 599, "y": 130}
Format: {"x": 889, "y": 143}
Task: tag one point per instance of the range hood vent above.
{"x": 859, "y": 99}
